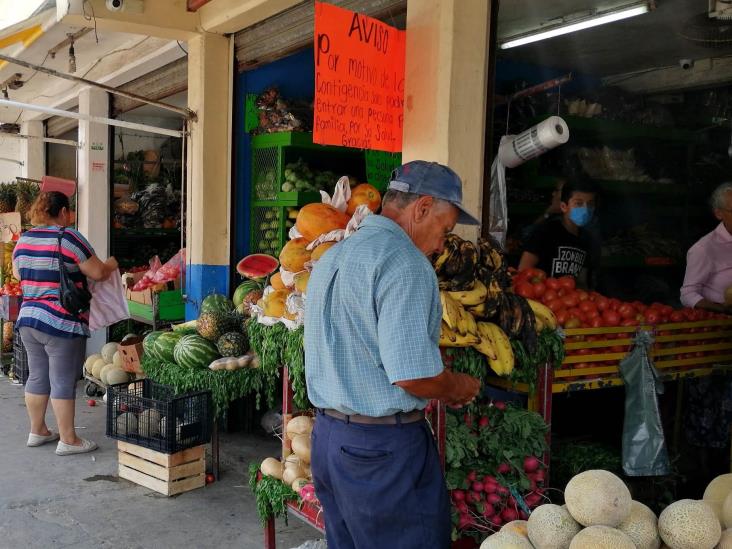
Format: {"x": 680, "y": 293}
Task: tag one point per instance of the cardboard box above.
{"x": 145, "y": 297}
{"x": 131, "y": 351}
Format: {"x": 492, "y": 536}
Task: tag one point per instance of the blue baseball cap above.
{"x": 432, "y": 179}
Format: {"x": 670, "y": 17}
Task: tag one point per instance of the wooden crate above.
{"x": 168, "y": 474}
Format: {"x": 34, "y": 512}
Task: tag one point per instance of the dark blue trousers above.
{"x": 381, "y": 486}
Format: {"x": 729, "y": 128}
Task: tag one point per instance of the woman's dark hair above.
{"x": 47, "y": 207}
{"x": 579, "y": 186}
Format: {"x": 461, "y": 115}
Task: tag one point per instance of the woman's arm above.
{"x": 96, "y": 269}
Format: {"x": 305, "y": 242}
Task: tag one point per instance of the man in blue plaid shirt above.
{"x": 372, "y": 362}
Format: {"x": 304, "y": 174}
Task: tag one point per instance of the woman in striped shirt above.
{"x": 54, "y": 339}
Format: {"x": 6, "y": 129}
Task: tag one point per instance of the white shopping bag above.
{"x": 109, "y": 302}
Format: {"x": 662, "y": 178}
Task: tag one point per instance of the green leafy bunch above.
{"x": 271, "y": 495}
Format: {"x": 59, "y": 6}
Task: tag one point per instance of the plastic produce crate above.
{"x": 151, "y": 415}
{"x": 20, "y": 358}
{"x": 270, "y": 228}
{"x": 272, "y": 152}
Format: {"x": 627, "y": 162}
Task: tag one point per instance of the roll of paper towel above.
{"x": 530, "y": 143}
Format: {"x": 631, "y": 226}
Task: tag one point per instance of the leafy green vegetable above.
{"x": 549, "y": 349}
{"x": 271, "y": 495}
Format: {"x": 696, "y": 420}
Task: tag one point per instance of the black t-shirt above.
{"x": 560, "y": 252}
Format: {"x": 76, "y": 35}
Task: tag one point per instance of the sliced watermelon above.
{"x": 257, "y": 266}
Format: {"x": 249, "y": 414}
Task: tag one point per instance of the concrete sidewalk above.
{"x": 47, "y": 501}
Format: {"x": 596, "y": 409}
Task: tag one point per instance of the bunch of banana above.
{"x": 471, "y": 298}
{"x": 456, "y": 317}
{"x": 517, "y": 319}
{"x": 450, "y": 338}
{"x": 491, "y": 254}
{"x": 455, "y": 266}
{"x": 544, "y": 316}
{"x": 502, "y": 361}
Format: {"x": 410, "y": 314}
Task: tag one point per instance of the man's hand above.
{"x": 455, "y": 390}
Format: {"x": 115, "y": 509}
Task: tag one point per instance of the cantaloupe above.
{"x": 598, "y": 497}
{"x": 551, "y": 527}
{"x": 116, "y": 375}
{"x": 641, "y": 526}
{"x": 716, "y": 492}
{"x": 519, "y": 527}
{"x": 727, "y": 512}
{"x": 689, "y": 524}
{"x": 103, "y": 374}
{"x": 601, "y": 537}
{"x": 97, "y": 367}
{"x": 506, "y": 540}
{"x": 117, "y": 360}
{"x": 127, "y": 424}
{"x": 149, "y": 423}
{"x": 89, "y": 362}
{"x": 725, "y": 542}
{"x": 108, "y": 351}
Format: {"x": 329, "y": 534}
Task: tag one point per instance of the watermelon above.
{"x": 216, "y": 303}
{"x": 148, "y": 344}
{"x": 244, "y": 289}
{"x": 185, "y": 328}
{"x": 164, "y": 345}
{"x": 257, "y": 266}
{"x": 194, "y": 351}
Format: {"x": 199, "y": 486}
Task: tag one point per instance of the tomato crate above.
{"x": 167, "y": 474}
{"x": 273, "y": 152}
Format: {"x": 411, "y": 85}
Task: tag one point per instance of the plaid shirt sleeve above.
{"x": 409, "y": 314}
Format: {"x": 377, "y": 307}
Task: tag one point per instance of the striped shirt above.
{"x": 372, "y": 318}
{"x": 36, "y": 258}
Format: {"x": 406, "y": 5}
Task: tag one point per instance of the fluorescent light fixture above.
{"x": 600, "y": 18}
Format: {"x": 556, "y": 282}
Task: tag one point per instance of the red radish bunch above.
{"x": 307, "y": 493}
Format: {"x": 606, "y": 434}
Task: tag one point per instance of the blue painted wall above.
{"x": 295, "y": 77}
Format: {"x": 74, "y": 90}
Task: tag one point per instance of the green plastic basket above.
{"x": 270, "y": 227}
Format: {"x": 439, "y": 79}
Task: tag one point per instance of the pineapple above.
{"x": 7, "y": 197}
{"x": 26, "y": 193}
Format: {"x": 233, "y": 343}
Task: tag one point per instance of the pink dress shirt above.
{"x": 708, "y": 268}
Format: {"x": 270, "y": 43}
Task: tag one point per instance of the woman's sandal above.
{"x": 63, "y": 449}
{"x": 39, "y": 440}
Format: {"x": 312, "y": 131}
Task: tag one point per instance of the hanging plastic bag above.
{"x": 498, "y": 218}
{"x": 341, "y": 195}
{"x": 644, "y": 444}
{"x": 109, "y": 302}
{"x": 147, "y": 279}
{"x": 172, "y": 268}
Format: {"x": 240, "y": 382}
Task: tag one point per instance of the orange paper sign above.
{"x": 359, "y": 80}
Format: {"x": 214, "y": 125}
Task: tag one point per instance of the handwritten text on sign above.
{"x": 359, "y": 80}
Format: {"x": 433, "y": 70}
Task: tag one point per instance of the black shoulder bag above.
{"x": 74, "y": 299}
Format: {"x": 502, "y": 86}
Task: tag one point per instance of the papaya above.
{"x": 294, "y": 255}
{"x": 274, "y": 303}
{"x": 320, "y": 250}
{"x": 301, "y": 281}
{"x": 316, "y": 219}
{"x": 276, "y": 281}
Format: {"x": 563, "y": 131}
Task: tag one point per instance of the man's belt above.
{"x": 394, "y": 419}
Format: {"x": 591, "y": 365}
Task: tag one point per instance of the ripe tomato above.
{"x": 552, "y": 284}
{"x": 570, "y": 300}
{"x": 676, "y": 316}
{"x": 526, "y": 290}
{"x": 614, "y": 304}
{"x": 594, "y": 313}
{"x": 582, "y": 295}
{"x": 539, "y": 289}
{"x": 561, "y": 317}
{"x": 610, "y": 318}
{"x": 574, "y": 322}
{"x": 535, "y": 275}
{"x": 567, "y": 282}
{"x": 602, "y": 303}
{"x": 626, "y": 311}
{"x": 576, "y": 312}
{"x": 652, "y": 316}
{"x": 597, "y": 322}
{"x": 586, "y": 306}
{"x": 555, "y": 305}
{"x": 549, "y": 295}
{"x": 629, "y": 322}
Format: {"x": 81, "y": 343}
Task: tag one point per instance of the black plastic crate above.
{"x": 20, "y": 358}
{"x": 150, "y": 414}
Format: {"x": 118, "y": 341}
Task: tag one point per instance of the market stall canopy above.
{"x": 112, "y": 58}
{"x": 658, "y": 39}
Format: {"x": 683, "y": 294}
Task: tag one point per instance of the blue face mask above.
{"x": 581, "y": 215}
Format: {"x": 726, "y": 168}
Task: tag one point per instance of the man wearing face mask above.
{"x": 560, "y": 246}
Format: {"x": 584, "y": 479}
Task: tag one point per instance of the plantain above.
{"x": 450, "y": 338}
{"x": 467, "y": 324}
{"x": 485, "y": 346}
{"x": 472, "y": 297}
{"x": 451, "y": 311}
{"x": 499, "y": 342}
{"x": 478, "y": 310}
{"x": 543, "y": 314}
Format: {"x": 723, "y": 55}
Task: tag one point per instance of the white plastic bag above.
{"x": 341, "y": 195}
{"x": 109, "y": 302}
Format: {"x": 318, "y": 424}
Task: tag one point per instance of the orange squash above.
{"x": 316, "y": 219}
{"x": 294, "y": 255}
{"x": 276, "y": 281}
{"x": 320, "y": 250}
{"x": 364, "y": 194}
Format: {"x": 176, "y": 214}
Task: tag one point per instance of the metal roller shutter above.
{"x": 157, "y": 85}
{"x": 56, "y": 126}
{"x": 292, "y": 29}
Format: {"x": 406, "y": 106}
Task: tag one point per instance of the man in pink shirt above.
{"x": 709, "y": 261}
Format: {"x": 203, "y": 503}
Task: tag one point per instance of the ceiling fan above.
{"x": 712, "y": 29}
